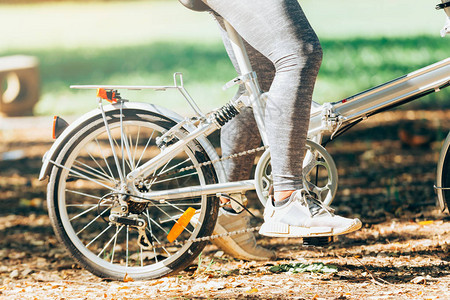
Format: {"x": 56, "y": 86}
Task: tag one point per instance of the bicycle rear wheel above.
{"x": 84, "y": 186}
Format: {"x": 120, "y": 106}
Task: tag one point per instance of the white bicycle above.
{"x": 133, "y": 186}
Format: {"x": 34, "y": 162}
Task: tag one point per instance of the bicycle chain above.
{"x": 215, "y": 236}
{"x": 207, "y": 163}
{"x": 201, "y": 239}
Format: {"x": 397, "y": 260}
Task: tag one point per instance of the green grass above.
{"x": 136, "y": 43}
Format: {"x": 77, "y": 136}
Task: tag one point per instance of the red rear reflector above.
{"x": 53, "y": 127}
{"x": 59, "y": 124}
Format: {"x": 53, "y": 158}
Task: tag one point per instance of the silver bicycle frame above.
{"x": 334, "y": 116}
{"x": 248, "y": 78}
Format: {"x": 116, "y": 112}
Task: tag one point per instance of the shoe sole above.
{"x": 273, "y": 229}
{"x": 228, "y": 245}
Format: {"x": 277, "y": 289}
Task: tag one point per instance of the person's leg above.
{"x": 241, "y": 133}
{"x": 279, "y": 30}
{"x": 238, "y": 135}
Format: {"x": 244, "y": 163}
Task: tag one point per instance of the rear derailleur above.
{"x": 121, "y": 215}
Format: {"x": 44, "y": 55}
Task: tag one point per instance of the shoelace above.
{"x": 314, "y": 206}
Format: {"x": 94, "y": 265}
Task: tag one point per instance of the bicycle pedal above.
{"x": 319, "y": 241}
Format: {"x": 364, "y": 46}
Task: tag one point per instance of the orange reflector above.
{"x": 109, "y": 96}
{"x": 181, "y": 224}
{"x": 101, "y": 93}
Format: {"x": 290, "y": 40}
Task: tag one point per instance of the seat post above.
{"x": 255, "y": 92}
{"x": 239, "y": 49}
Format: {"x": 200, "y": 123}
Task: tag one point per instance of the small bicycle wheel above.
{"x": 84, "y": 188}
{"x": 319, "y": 174}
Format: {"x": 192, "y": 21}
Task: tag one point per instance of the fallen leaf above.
{"x": 123, "y": 287}
{"x": 251, "y": 291}
{"x": 423, "y": 279}
{"x": 14, "y": 274}
{"x": 219, "y": 254}
{"x": 426, "y": 222}
{"x": 127, "y": 278}
{"x": 155, "y": 282}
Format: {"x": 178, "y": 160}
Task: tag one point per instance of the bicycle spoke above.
{"x": 174, "y": 178}
{"x": 96, "y": 162}
{"x": 99, "y": 235}
{"x": 180, "y": 204}
{"x": 104, "y": 159}
{"x": 81, "y": 175}
{"x": 173, "y": 205}
{"x": 171, "y": 168}
{"x": 137, "y": 144}
{"x": 92, "y": 221}
{"x": 157, "y": 225}
{"x": 110, "y": 241}
{"x": 130, "y": 142}
{"x": 151, "y": 234}
{"x": 128, "y": 238}
{"x": 145, "y": 148}
{"x": 162, "y": 169}
{"x": 81, "y": 205}
{"x": 159, "y": 242}
{"x": 83, "y": 213}
{"x": 114, "y": 247}
{"x": 99, "y": 177}
{"x": 123, "y": 157}
{"x": 111, "y": 143}
{"x": 124, "y": 141}
{"x": 83, "y": 194}
{"x": 101, "y": 174}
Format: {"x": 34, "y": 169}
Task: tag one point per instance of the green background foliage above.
{"x": 145, "y": 42}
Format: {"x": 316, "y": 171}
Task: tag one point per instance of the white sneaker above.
{"x": 304, "y": 216}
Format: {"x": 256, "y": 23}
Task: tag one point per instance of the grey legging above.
{"x": 286, "y": 55}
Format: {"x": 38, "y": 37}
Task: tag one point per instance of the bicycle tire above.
{"x": 64, "y": 200}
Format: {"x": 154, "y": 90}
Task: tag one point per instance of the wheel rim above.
{"x": 115, "y": 247}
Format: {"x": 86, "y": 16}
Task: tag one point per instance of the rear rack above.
{"x": 178, "y": 84}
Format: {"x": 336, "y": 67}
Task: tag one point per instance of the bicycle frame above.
{"x": 250, "y": 81}
{"x": 335, "y": 116}
{"x": 330, "y": 118}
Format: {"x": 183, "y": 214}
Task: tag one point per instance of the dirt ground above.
{"x": 387, "y": 172}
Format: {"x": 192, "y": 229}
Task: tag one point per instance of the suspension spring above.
{"x": 225, "y": 113}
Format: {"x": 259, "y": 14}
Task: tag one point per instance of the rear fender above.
{"x": 52, "y": 154}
